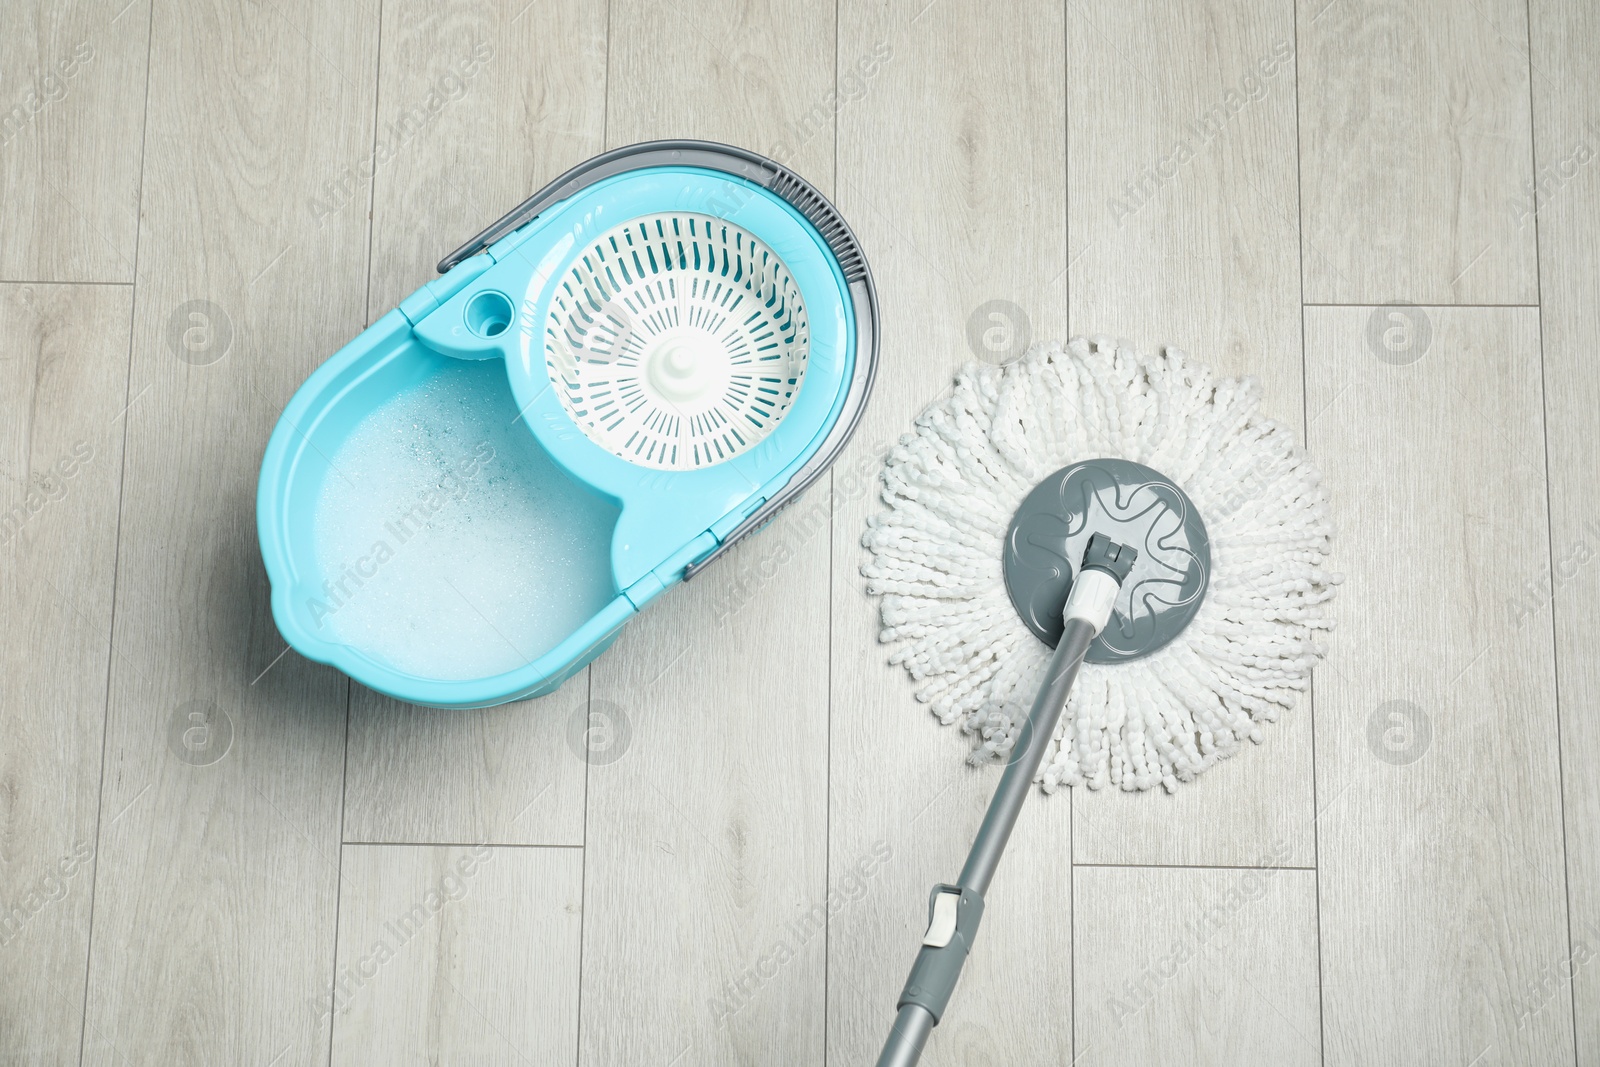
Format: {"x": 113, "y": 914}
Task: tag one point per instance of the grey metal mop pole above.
{"x": 954, "y": 911}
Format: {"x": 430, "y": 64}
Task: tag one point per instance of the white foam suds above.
{"x": 453, "y": 546}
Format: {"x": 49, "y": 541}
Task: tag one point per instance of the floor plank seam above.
{"x": 1198, "y": 866}
{"x": 1429, "y": 304}
{"x": 458, "y": 844}
{"x": 1550, "y": 536}
{"x": 1305, "y": 435}
{"x": 59, "y": 281}
{"x": 116, "y": 549}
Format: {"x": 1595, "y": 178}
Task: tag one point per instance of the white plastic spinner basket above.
{"x": 677, "y": 341}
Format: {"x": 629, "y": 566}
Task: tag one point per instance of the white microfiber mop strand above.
{"x": 953, "y": 484}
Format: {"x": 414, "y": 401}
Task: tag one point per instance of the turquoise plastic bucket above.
{"x": 455, "y": 509}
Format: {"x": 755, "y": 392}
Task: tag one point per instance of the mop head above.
{"x": 953, "y": 485}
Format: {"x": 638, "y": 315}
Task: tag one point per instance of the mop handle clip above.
{"x": 954, "y": 913}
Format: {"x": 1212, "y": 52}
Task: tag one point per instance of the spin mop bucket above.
{"x": 605, "y": 390}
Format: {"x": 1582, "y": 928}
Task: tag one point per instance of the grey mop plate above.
{"x": 1134, "y": 505}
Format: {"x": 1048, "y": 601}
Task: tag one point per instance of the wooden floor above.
{"x": 213, "y": 852}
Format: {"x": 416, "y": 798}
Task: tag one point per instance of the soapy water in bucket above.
{"x": 452, "y": 546}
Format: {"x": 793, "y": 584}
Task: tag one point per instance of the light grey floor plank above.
{"x": 479, "y": 104}
{"x": 1442, "y": 889}
{"x": 1566, "y": 38}
{"x": 216, "y": 891}
{"x": 458, "y": 956}
{"x": 707, "y": 836}
{"x": 1182, "y": 218}
{"x": 1415, "y": 145}
{"x": 507, "y": 775}
{"x": 72, "y": 79}
{"x": 1182, "y": 211}
{"x": 952, "y": 171}
{"x": 449, "y": 161}
{"x": 1196, "y": 967}
{"x": 63, "y": 371}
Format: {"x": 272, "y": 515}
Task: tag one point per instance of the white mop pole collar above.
{"x": 1094, "y": 594}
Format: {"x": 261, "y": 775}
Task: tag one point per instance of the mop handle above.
{"x": 954, "y": 911}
